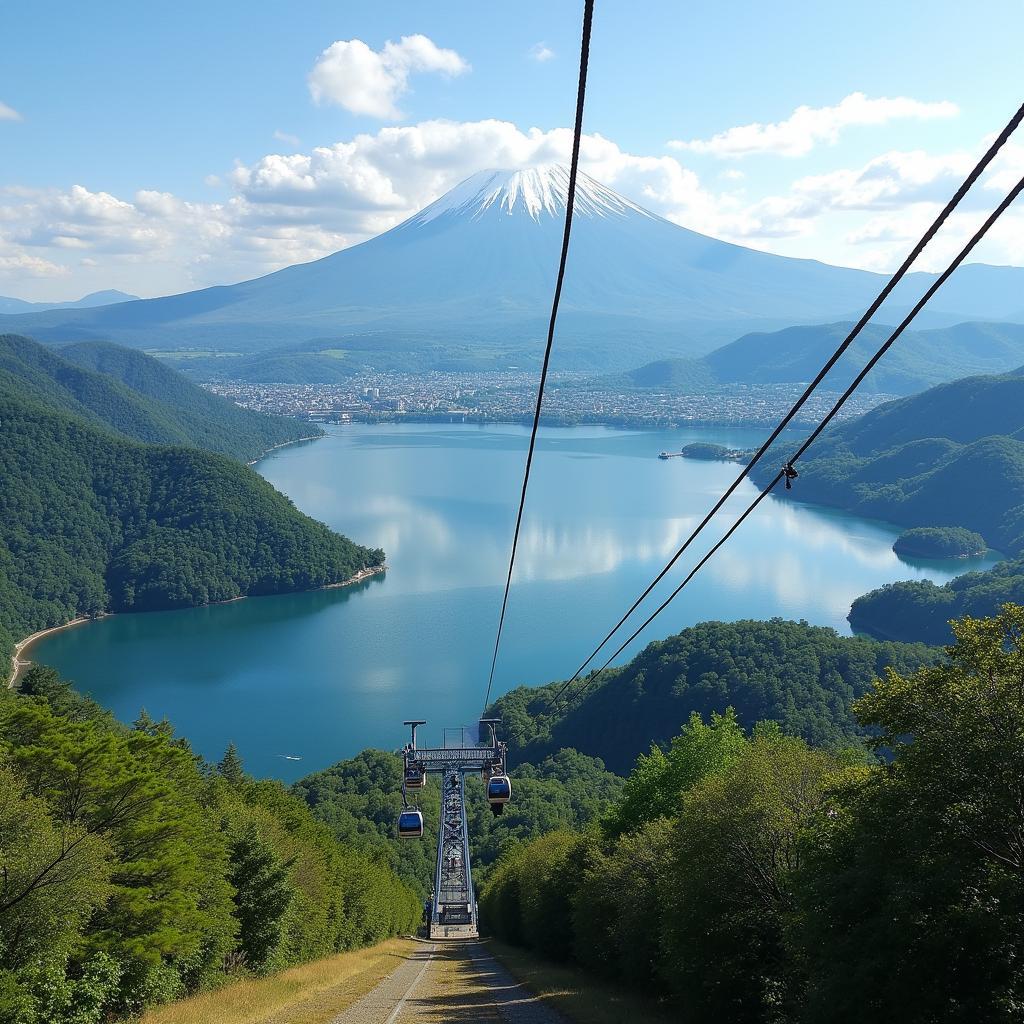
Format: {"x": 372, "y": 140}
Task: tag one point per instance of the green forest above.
{"x": 138, "y": 397}
{"x": 804, "y": 677}
{"x": 360, "y": 800}
{"x": 747, "y": 875}
{"x": 921, "y": 610}
{"x": 921, "y": 462}
{"x": 135, "y": 873}
{"x": 939, "y": 542}
{"x": 91, "y": 521}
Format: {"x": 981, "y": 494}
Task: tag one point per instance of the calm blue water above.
{"x": 320, "y": 676}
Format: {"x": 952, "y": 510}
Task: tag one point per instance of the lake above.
{"x": 301, "y": 681}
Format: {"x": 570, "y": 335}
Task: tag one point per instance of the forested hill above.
{"x": 90, "y": 521}
{"x": 804, "y": 677}
{"x": 952, "y": 456}
{"x": 138, "y": 397}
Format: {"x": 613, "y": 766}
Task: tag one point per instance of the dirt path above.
{"x": 449, "y": 983}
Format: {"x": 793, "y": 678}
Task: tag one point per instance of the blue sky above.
{"x": 156, "y": 148}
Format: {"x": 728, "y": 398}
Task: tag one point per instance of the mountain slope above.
{"x": 951, "y": 456}
{"x": 478, "y": 265}
{"x": 794, "y": 355}
{"x": 208, "y": 421}
{"x": 137, "y": 397}
{"x": 804, "y": 677}
{"x": 89, "y": 522}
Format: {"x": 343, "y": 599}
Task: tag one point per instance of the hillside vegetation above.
{"x": 804, "y": 677}
{"x": 360, "y": 800}
{"x": 135, "y": 873}
{"x": 748, "y": 876}
{"x": 950, "y": 457}
{"x": 921, "y": 611}
{"x": 90, "y": 522}
{"x": 139, "y": 398}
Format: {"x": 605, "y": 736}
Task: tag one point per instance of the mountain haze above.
{"x": 103, "y": 298}
{"x": 477, "y": 268}
{"x": 919, "y": 360}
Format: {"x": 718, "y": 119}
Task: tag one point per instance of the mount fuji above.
{"x": 475, "y": 270}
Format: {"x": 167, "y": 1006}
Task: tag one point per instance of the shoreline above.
{"x": 20, "y": 664}
{"x": 283, "y": 444}
{"x": 363, "y": 574}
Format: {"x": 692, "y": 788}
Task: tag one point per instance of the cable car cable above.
{"x": 784, "y": 474}
{"x": 588, "y": 17}
{"x": 964, "y": 188}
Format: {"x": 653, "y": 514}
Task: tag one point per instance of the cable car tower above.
{"x": 453, "y": 911}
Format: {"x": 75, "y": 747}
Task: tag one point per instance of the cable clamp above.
{"x": 790, "y": 474}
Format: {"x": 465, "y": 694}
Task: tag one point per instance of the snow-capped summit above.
{"x": 536, "y": 191}
{"x": 468, "y": 281}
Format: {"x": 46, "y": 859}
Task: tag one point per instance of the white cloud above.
{"x": 8, "y": 113}
{"x": 291, "y": 140}
{"x": 296, "y": 207}
{"x": 365, "y": 81}
{"x": 24, "y": 265}
{"x": 807, "y": 126}
{"x": 541, "y": 52}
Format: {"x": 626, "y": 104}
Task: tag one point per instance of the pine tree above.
{"x": 230, "y": 766}
{"x": 262, "y": 897}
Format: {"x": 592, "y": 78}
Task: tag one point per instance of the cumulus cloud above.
{"x": 541, "y": 52}
{"x": 808, "y": 126}
{"x": 298, "y": 206}
{"x": 8, "y": 113}
{"x": 365, "y": 81}
{"x": 24, "y": 265}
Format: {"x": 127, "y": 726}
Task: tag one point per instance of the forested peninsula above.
{"x": 93, "y": 520}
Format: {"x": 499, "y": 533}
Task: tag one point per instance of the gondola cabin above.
{"x": 410, "y": 824}
{"x": 499, "y": 790}
{"x": 415, "y": 777}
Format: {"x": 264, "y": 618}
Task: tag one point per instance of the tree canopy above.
{"x": 748, "y": 876}
{"x": 134, "y": 873}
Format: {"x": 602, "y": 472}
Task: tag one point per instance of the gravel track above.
{"x": 449, "y": 983}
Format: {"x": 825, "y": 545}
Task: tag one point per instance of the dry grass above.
{"x": 311, "y": 994}
{"x": 578, "y": 996}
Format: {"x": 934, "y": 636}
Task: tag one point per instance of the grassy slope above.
{"x": 314, "y": 993}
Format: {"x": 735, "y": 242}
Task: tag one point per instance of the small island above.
{"x": 940, "y": 542}
{"x": 712, "y": 452}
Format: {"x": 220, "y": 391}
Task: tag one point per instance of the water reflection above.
{"x": 323, "y": 675}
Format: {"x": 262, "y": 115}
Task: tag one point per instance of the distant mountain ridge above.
{"x": 921, "y": 359}
{"x": 102, "y": 298}
{"x": 477, "y": 266}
